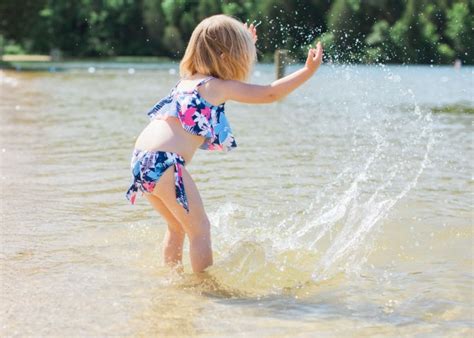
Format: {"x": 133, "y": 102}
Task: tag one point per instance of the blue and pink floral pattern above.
{"x": 198, "y": 117}
{"x": 147, "y": 168}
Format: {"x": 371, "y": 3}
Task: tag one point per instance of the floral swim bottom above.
{"x": 147, "y": 168}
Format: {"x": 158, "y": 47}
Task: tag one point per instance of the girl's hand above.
{"x": 315, "y": 57}
{"x": 253, "y": 31}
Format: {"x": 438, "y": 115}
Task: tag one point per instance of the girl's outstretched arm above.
{"x": 249, "y": 93}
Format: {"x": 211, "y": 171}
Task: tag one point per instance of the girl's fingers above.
{"x": 252, "y": 29}
{"x": 320, "y": 50}
{"x": 314, "y": 59}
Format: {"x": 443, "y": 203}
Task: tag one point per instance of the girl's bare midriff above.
{"x": 168, "y": 135}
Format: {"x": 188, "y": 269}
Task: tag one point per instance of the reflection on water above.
{"x": 346, "y": 209}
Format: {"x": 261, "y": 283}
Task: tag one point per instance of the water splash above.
{"x": 335, "y": 233}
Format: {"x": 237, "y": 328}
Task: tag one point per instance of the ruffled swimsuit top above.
{"x": 197, "y": 116}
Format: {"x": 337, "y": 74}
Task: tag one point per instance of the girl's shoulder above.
{"x": 211, "y": 91}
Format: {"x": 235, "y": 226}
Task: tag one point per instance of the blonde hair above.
{"x": 219, "y": 46}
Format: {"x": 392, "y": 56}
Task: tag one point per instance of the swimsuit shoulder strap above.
{"x": 200, "y": 83}
{"x": 207, "y": 79}
{"x": 175, "y": 86}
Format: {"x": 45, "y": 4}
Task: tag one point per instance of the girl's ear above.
{"x": 222, "y": 56}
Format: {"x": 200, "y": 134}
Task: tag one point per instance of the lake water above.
{"x": 346, "y": 209}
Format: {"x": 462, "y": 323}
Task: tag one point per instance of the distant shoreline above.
{"x": 45, "y": 63}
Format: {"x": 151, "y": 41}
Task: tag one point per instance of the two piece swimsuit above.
{"x": 198, "y": 117}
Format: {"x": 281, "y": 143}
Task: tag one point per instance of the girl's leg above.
{"x": 195, "y": 223}
{"x": 174, "y": 237}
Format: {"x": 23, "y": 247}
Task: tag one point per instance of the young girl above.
{"x": 218, "y": 58}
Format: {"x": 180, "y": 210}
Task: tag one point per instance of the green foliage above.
{"x": 154, "y": 21}
{"x": 173, "y": 40}
{"x": 207, "y": 8}
{"x": 12, "y": 48}
{"x": 459, "y": 29}
{"x": 410, "y": 31}
{"x": 446, "y": 53}
{"x": 378, "y": 43}
{"x": 172, "y": 10}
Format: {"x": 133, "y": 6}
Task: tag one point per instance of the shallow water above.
{"x": 346, "y": 209}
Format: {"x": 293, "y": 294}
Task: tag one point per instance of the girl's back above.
{"x": 167, "y": 134}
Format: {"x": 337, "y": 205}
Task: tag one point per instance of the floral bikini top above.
{"x": 197, "y": 116}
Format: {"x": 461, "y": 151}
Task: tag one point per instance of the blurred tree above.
{"x": 173, "y": 41}
{"x": 181, "y": 18}
{"x": 429, "y": 37}
{"x": 67, "y": 24}
{"x": 17, "y": 20}
{"x": 410, "y": 31}
{"x": 403, "y": 35}
{"x": 345, "y": 30}
{"x": 459, "y": 29}
{"x": 207, "y": 8}
{"x": 378, "y": 43}
{"x": 173, "y": 10}
{"x": 154, "y": 20}
{"x": 126, "y": 28}
{"x": 187, "y": 23}
{"x": 290, "y": 25}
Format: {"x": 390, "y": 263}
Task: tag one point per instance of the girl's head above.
{"x": 219, "y": 46}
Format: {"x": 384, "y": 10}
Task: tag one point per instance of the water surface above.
{"x": 346, "y": 209}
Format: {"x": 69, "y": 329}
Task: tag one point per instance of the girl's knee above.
{"x": 199, "y": 228}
